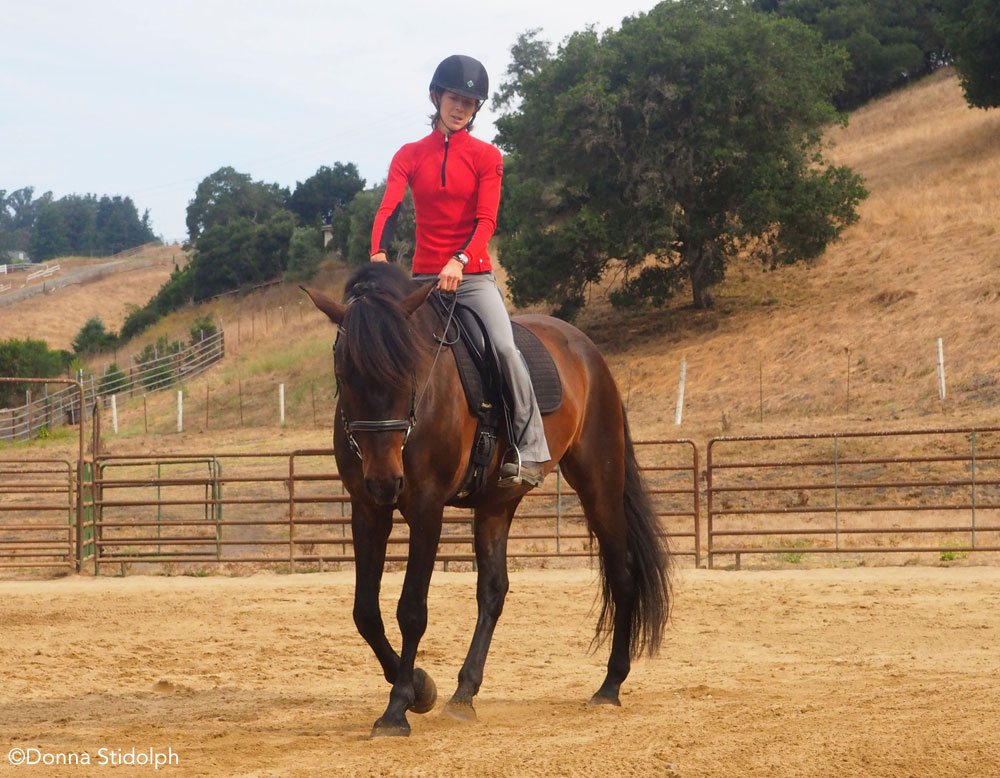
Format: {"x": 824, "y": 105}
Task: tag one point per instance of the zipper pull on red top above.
{"x": 444, "y": 162}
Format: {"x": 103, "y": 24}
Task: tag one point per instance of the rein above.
{"x": 395, "y": 425}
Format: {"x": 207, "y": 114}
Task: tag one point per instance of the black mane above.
{"x": 377, "y": 346}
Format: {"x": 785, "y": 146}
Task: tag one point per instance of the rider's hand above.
{"x": 450, "y": 276}
{"x": 379, "y": 257}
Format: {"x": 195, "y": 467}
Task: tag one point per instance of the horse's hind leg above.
{"x": 599, "y": 482}
{"x": 492, "y": 526}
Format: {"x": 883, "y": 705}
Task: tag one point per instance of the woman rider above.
{"x": 455, "y": 181}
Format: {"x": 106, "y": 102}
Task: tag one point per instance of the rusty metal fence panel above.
{"x": 920, "y": 492}
{"x": 291, "y": 509}
{"x": 36, "y": 514}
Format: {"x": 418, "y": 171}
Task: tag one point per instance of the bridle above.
{"x": 392, "y": 425}
{"x": 386, "y": 425}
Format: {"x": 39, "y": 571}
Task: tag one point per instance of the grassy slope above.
{"x": 924, "y": 262}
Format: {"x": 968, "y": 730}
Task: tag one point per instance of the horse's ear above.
{"x": 327, "y": 305}
{"x": 414, "y": 300}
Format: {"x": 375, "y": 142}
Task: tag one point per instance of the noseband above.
{"x": 386, "y": 425}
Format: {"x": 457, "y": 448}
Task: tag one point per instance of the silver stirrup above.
{"x": 511, "y": 480}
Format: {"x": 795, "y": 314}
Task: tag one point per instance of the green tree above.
{"x": 49, "y": 236}
{"x": 890, "y": 42}
{"x": 972, "y": 29}
{"x": 93, "y": 337}
{"x": 119, "y": 226}
{"x": 240, "y": 253}
{"x": 226, "y": 196}
{"x": 113, "y": 381}
{"x": 361, "y": 216}
{"x": 202, "y": 329}
{"x": 305, "y": 252}
{"x": 154, "y": 363}
{"x": 27, "y": 359}
{"x": 79, "y": 215}
{"x": 328, "y": 190}
{"x": 668, "y": 147}
{"x": 270, "y": 247}
{"x": 18, "y": 211}
{"x": 223, "y": 259}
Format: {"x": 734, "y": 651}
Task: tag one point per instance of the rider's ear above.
{"x": 414, "y": 300}
{"x": 327, "y": 305}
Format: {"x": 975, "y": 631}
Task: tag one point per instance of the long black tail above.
{"x": 649, "y": 561}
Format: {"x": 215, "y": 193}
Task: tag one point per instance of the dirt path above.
{"x": 864, "y": 672}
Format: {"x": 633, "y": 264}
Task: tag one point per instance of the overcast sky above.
{"x": 147, "y": 98}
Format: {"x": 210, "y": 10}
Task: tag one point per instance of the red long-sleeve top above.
{"x": 455, "y": 182}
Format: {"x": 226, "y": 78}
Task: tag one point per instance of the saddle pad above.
{"x": 541, "y": 368}
{"x": 544, "y": 375}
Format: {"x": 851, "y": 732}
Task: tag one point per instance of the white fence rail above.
{"x": 44, "y": 272}
{"x": 142, "y": 376}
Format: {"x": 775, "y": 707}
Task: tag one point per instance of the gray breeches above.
{"x": 479, "y": 291}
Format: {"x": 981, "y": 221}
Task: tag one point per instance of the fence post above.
{"x": 180, "y": 410}
{"x": 114, "y": 413}
{"x": 281, "y": 404}
{"x": 836, "y": 492}
{"x": 973, "y": 488}
{"x": 941, "y": 388}
{"x": 558, "y": 510}
{"x": 680, "y": 392}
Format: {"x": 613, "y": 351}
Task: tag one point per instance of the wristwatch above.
{"x": 462, "y": 258}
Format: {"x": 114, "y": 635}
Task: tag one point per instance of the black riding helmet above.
{"x": 462, "y": 75}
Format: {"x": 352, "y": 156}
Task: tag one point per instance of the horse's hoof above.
{"x": 460, "y": 711}
{"x": 425, "y": 690}
{"x": 604, "y": 699}
{"x": 384, "y": 728}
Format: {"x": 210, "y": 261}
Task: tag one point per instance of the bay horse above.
{"x": 398, "y": 386}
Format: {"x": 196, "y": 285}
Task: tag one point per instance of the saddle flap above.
{"x": 478, "y": 368}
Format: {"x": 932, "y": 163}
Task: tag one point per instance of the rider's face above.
{"x": 455, "y": 110}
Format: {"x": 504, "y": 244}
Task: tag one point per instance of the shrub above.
{"x": 93, "y": 337}
{"x": 113, "y": 381}
{"x": 154, "y": 363}
{"x": 202, "y": 329}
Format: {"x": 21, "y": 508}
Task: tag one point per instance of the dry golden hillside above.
{"x": 56, "y": 317}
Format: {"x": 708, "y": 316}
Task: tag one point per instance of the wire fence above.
{"x": 151, "y": 372}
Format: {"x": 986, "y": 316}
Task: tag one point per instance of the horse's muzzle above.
{"x": 384, "y": 491}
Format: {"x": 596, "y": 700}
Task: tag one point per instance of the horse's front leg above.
{"x": 413, "y": 688}
{"x": 370, "y": 528}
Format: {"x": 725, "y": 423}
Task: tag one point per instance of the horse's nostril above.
{"x": 385, "y": 491}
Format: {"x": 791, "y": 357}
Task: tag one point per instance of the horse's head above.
{"x": 376, "y": 361}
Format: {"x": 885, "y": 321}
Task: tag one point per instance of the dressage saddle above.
{"x": 485, "y": 390}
